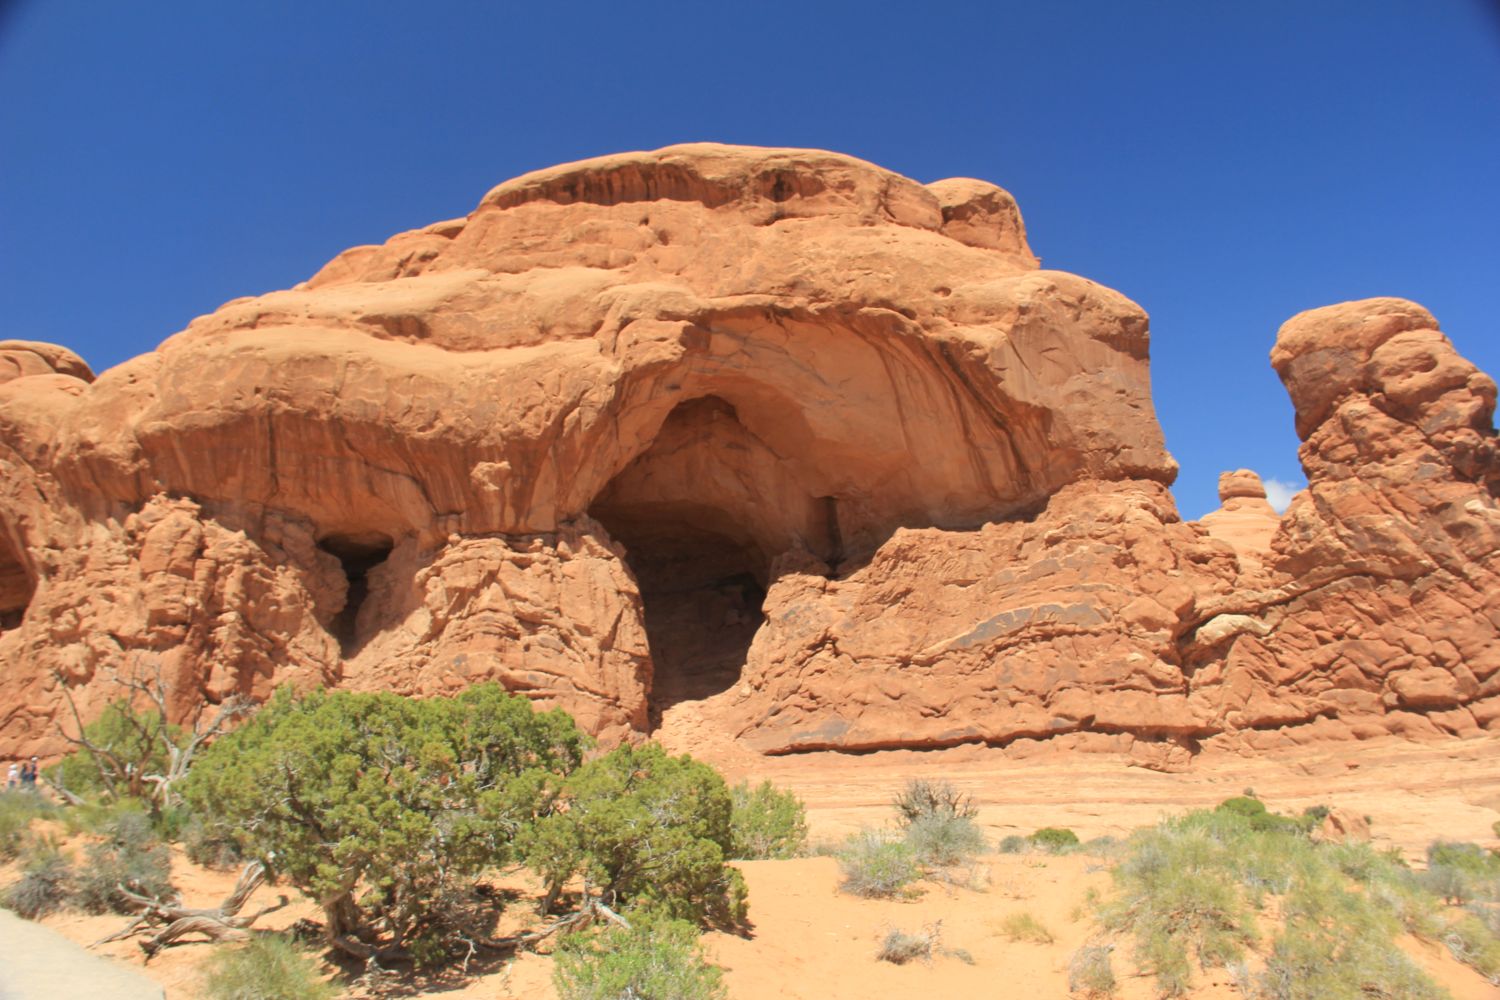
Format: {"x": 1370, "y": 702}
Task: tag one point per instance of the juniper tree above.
{"x": 378, "y": 806}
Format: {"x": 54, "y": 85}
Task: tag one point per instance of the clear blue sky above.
{"x": 1224, "y": 165}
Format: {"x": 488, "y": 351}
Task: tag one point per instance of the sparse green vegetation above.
{"x": 656, "y": 957}
{"x": 1025, "y": 927}
{"x": 127, "y": 745}
{"x": 132, "y": 753}
{"x": 1187, "y": 892}
{"x": 877, "y": 865}
{"x": 1051, "y": 840}
{"x": 1246, "y": 805}
{"x": 1180, "y": 899}
{"x": 944, "y": 841}
{"x": 129, "y": 856}
{"x": 17, "y": 810}
{"x": 45, "y": 884}
{"x": 388, "y": 811}
{"x": 270, "y": 967}
{"x": 1336, "y": 944}
{"x": 1260, "y": 818}
{"x": 935, "y": 836}
{"x": 766, "y": 822}
{"x": 1101, "y": 847}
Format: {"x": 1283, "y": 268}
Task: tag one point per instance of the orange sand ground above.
{"x": 810, "y": 941}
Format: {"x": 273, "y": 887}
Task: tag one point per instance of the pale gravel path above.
{"x": 40, "y": 964}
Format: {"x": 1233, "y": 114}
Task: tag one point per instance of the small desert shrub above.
{"x": 46, "y": 882}
{"x": 899, "y": 947}
{"x": 766, "y": 823}
{"x": 99, "y": 815}
{"x": 1460, "y": 872}
{"x": 17, "y": 810}
{"x": 1261, "y": 819}
{"x": 1460, "y": 854}
{"x": 270, "y": 967}
{"x": 1309, "y": 962}
{"x": 1386, "y": 881}
{"x": 1473, "y": 943}
{"x": 1451, "y": 885}
{"x": 876, "y": 865}
{"x": 211, "y": 844}
{"x": 825, "y": 848}
{"x": 130, "y": 856}
{"x": 922, "y": 798}
{"x": 657, "y": 958}
{"x": 1025, "y": 927}
{"x": 1242, "y": 805}
{"x": 1399, "y": 892}
{"x": 1090, "y": 972}
{"x": 1101, "y": 847}
{"x": 1357, "y": 859}
{"x": 1055, "y": 840}
{"x": 1014, "y": 844}
{"x": 1316, "y": 814}
{"x": 1186, "y": 888}
{"x": 1488, "y": 914}
{"x": 1179, "y": 896}
{"x": 944, "y": 840}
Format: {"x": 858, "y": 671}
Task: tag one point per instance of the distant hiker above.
{"x": 29, "y": 772}
{"x": 13, "y": 778}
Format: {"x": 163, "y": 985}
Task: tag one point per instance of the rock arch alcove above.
{"x": 358, "y": 553}
{"x": 703, "y": 513}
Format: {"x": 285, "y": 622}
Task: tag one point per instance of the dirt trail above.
{"x": 37, "y": 963}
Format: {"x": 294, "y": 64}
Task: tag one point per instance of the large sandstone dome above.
{"x": 800, "y": 443}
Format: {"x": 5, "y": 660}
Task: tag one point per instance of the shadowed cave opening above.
{"x": 16, "y": 587}
{"x": 702, "y": 589}
{"x": 357, "y": 554}
{"x": 699, "y": 534}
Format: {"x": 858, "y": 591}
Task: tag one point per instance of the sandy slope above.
{"x": 1413, "y": 792}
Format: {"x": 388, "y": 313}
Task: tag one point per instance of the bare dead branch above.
{"x": 153, "y": 735}
{"x": 207, "y": 926}
{"x": 221, "y": 923}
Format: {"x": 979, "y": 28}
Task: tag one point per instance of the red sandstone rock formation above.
{"x": 776, "y": 434}
{"x": 1245, "y": 518}
{"x": 1384, "y": 608}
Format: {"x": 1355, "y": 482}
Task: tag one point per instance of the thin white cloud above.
{"x": 1279, "y": 492}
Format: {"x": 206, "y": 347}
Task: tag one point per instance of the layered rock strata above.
{"x": 772, "y": 430}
